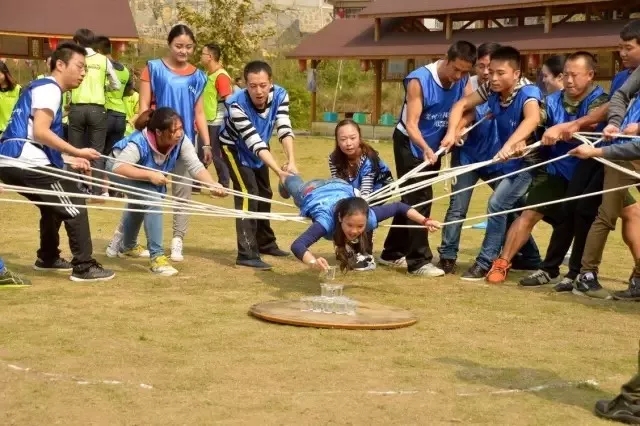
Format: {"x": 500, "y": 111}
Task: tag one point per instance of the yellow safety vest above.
{"x": 91, "y": 91}
{"x": 131, "y": 109}
{"x": 8, "y": 100}
{"x": 210, "y": 96}
{"x": 114, "y": 100}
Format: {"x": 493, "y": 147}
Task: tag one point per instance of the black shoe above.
{"x": 538, "y": 278}
{"x": 632, "y": 293}
{"x": 619, "y": 410}
{"x": 57, "y": 265}
{"x": 276, "y": 252}
{"x": 475, "y": 273}
{"x": 95, "y": 272}
{"x": 364, "y": 262}
{"x": 587, "y": 285}
{"x": 255, "y": 264}
{"x": 565, "y": 284}
{"x": 449, "y": 266}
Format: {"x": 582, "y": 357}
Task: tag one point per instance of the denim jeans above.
{"x": 458, "y": 208}
{"x": 1, "y": 264}
{"x": 508, "y": 194}
{"x": 298, "y": 188}
{"x": 152, "y": 220}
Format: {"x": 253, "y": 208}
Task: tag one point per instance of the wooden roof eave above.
{"x": 62, "y": 36}
{"x": 391, "y": 56}
{"x": 477, "y": 9}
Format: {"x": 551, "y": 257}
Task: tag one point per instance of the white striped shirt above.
{"x": 237, "y": 125}
{"x": 367, "y": 181}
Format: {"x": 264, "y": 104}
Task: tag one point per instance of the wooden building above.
{"x": 31, "y": 29}
{"x": 391, "y": 38}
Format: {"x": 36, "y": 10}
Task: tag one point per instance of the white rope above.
{"x": 39, "y": 191}
{"x": 537, "y": 144}
{"x": 606, "y": 162}
{"x": 577, "y": 197}
{"x": 173, "y": 175}
{"x": 178, "y": 204}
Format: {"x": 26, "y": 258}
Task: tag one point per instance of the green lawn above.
{"x": 143, "y": 350}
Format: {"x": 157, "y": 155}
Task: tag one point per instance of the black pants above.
{"x": 88, "y": 123}
{"x": 218, "y": 163}
{"x": 409, "y": 242}
{"x": 254, "y": 236}
{"x": 576, "y": 220}
{"x": 116, "y": 126}
{"x": 76, "y": 220}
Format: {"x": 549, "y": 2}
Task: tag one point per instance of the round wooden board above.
{"x": 368, "y": 316}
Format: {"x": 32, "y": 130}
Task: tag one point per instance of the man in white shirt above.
{"x": 31, "y": 143}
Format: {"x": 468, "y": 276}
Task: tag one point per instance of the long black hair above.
{"x": 8, "y": 78}
{"x": 346, "y": 251}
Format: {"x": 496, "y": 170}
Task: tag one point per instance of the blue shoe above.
{"x": 283, "y": 192}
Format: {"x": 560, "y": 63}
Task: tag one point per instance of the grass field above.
{"x": 146, "y": 350}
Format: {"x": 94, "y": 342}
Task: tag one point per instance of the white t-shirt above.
{"x": 48, "y": 97}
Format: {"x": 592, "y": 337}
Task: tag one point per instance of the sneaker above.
{"x": 258, "y": 264}
{"x": 587, "y": 285}
{"x": 619, "y": 410}
{"x": 160, "y": 265}
{"x": 57, "y": 265}
{"x": 364, "y": 262}
{"x": 398, "y": 263}
{"x": 475, "y": 273}
{"x": 136, "y": 252}
{"x": 105, "y": 194}
{"x": 10, "y": 279}
{"x": 283, "y": 192}
{"x": 449, "y": 266}
{"x": 428, "y": 270}
{"x": 566, "y": 284}
{"x": 95, "y": 272}
{"x": 499, "y": 271}
{"x": 632, "y": 293}
{"x": 539, "y": 277}
{"x": 114, "y": 245}
{"x": 176, "y": 249}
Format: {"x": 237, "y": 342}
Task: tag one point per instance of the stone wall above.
{"x": 295, "y": 18}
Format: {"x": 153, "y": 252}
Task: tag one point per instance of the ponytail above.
{"x": 143, "y": 119}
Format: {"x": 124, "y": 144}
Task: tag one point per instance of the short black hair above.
{"x": 589, "y": 59}
{"x": 102, "y": 44}
{"x": 507, "y": 54}
{"x": 255, "y": 67}
{"x": 214, "y": 50}
{"x": 487, "y": 49}
{"x": 64, "y": 53}
{"x": 631, "y": 31}
{"x": 462, "y": 50}
{"x": 555, "y": 64}
{"x": 84, "y": 37}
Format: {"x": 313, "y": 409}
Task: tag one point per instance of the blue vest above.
{"x": 618, "y": 80}
{"x": 180, "y": 92}
{"x": 436, "y": 104}
{"x": 19, "y": 123}
{"x": 263, "y": 124}
{"x": 146, "y": 154}
{"x": 319, "y": 205}
{"x": 509, "y": 118}
{"x": 382, "y": 174}
{"x": 632, "y": 116}
{"x": 482, "y": 142}
{"x": 556, "y": 114}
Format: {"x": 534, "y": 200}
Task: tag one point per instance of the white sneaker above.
{"x": 428, "y": 270}
{"x": 105, "y": 194}
{"x": 114, "y": 245}
{"x": 398, "y": 263}
{"x": 364, "y": 263}
{"x": 176, "y": 249}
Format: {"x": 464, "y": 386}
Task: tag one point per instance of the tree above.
{"x": 238, "y": 26}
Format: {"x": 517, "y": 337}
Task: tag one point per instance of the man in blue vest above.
{"x": 579, "y": 96}
{"x": 32, "y": 142}
{"x": 431, "y": 91}
{"x": 252, "y": 116}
